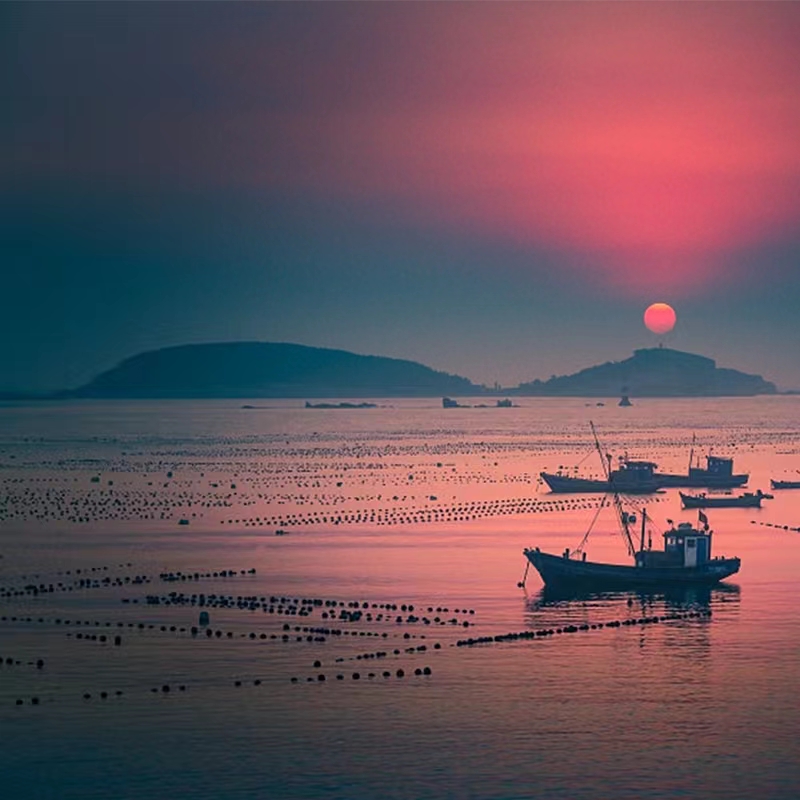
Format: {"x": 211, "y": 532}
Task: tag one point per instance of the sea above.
{"x": 255, "y": 599}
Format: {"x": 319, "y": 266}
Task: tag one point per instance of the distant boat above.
{"x": 631, "y": 477}
{"x": 686, "y": 559}
{"x": 717, "y": 474}
{"x": 746, "y": 500}
{"x": 641, "y": 477}
{"x": 785, "y": 484}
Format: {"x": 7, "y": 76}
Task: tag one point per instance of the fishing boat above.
{"x": 642, "y": 477}
{"x": 746, "y": 500}
{"x": 685, "y": 559}
{"x": 717, "y": 474}
{"x": 631, "y": 477}
{"x": 784, "y": 484}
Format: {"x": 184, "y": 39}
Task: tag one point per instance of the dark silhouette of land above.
{"x": 654, "y": 372}
{"x": 264, "y": 369}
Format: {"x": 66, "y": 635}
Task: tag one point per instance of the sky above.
{"x": 497, "y": 190}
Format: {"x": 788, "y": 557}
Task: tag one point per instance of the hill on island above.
{"x": 266, "y": 369}
{"x": 653, "y": 372}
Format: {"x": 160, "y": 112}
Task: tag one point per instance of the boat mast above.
{"x": 644, "y": 522}
{"x": 691, "y": 453}
{"x": 621, "y": 515}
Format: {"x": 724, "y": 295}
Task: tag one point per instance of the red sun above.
{"x": 660, "y": 318}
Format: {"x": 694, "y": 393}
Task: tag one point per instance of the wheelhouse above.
{"x": 687, "y": 545}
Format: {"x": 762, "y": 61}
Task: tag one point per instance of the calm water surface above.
{"x": 383, "y": 509}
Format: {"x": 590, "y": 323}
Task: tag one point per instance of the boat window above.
{"x": 691, "y": 543}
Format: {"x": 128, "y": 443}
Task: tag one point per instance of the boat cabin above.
{"x": 634, "y": 475}
{"x": 684, "y": 546}
{"x": 715, "y": 467}
{"x": 693, "y": 547}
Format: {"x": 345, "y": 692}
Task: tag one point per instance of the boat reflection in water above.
{"x": 671, "y": 598}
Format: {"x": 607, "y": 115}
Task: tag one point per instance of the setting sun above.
{"x": 660, "y": 318}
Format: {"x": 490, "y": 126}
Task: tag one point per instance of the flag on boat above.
{"x": 703, "y": 518}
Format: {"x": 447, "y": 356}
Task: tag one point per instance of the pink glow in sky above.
{"x": 650, "y": 139}
{"x": 643, "y": 143}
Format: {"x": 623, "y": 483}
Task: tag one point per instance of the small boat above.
{"x": 685, "y": 560}
{"x": 784, "y": 484}
{"x": 746, "y": 500}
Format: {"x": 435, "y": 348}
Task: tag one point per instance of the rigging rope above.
{"x": 579, "y": 548}
{"x": 592, "y": 450}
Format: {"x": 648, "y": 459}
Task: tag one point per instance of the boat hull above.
{"x": 564, "y": 484}
{"x": 700, "y": 481}
{"x": 693, "y": 501}
{"x": 785, "y": 484}
{"x": 563, "y": 573}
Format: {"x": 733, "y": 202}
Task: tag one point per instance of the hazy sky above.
{"x": 493, "y": 189}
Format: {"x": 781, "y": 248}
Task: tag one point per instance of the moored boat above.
{"x": 746, "y": 500}
{"x": 685, "y": 560}
{"x": 784, "y": 484}
{"x": 642, "y": 477}
{"x": 717, "y": 474}
{"x": 632, "y": 477}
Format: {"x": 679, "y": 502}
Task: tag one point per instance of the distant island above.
{"x": 280, "y": 370}
{"x": 268, "y": 369}
{"x": 653, "y": 372}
